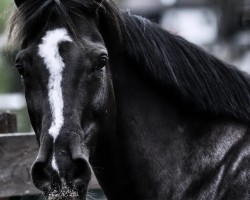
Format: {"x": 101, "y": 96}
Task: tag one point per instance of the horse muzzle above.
{"x": 61, "y": 169}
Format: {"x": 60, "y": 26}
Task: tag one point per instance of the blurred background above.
{"x": 222, "y": 27}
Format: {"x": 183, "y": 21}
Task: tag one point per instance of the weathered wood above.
{"x": 8, "y": 123}
{"x": 17, "y": 153}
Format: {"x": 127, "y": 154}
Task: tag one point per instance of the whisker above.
{"x": 90, "y": 195}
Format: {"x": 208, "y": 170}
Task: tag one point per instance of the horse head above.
{"x": 65, "y": 68}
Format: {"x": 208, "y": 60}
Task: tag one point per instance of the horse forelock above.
{"x": 33, "y": 17}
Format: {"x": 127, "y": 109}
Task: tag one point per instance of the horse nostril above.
{"x": 81, "y": 174}
{"x": 41, "y": 176}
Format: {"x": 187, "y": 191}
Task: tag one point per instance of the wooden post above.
{"x": 8, "y": 123}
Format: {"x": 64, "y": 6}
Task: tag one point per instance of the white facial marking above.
{"x": 48, "y": 50}
{"x": 53, "y": 163}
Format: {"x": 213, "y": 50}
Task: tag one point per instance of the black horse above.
{"x": 154, "y": 116}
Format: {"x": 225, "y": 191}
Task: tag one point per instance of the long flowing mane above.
{"x": 196, "y": 77}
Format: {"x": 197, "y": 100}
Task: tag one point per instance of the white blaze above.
{"x": 53, "y": 163}
{"x": 49, "y": 51}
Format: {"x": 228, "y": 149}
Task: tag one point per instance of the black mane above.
{"x": 174, "y": 63}
{"x": 197, "y": 77}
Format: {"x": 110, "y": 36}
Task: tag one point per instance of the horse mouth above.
{"x": 65, "y": 195}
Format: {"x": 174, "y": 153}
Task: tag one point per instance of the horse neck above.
{"x": 144, "y": 116}
{"x": 153, "y": 134}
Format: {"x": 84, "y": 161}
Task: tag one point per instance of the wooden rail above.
{"x": 17, "y": 153}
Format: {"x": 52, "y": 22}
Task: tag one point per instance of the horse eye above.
{"x": 102, "y": 62}
{"x": 20, "y": 69}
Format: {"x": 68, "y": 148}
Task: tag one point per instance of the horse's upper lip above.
{"x": 59, "y": 197}
{"x": 64, "y": 194}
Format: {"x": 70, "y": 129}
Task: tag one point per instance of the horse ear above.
{"x": 19, "y": 2}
